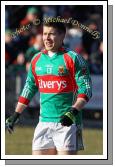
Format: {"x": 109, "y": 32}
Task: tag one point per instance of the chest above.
{"x": 51, "y": 66}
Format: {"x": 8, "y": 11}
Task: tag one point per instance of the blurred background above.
{"x": 23, "y": 38}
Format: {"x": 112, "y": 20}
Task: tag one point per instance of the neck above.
{"x": 56, "y": 50}
{"x": 51, "y": 51}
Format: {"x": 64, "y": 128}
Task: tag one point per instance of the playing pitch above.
{"x": 19, "y": 143}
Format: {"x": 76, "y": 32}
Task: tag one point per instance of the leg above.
{"x": 79, "y": 144}
{"x": 51, "y": 151}
{"x": 67, "y": 153}
{"x": 65, "y": 140}
{"x": 42, "y": 143}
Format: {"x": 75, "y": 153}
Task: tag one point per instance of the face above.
{"x": 52, "y": 39}
{"x": 31, "y": 16}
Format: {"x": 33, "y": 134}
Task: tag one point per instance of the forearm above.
{"x": 79, "y": 104}
{"x": 20, "y": 107}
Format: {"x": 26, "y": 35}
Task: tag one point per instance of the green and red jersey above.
{"x": 60, "y": 79}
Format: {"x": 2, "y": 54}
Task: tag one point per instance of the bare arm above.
{"x": 20, "y": 107}
{"x": 79, "y": 104}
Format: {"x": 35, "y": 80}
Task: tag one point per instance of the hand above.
{"x": 69, "y": 118}
{"x": 10, "y": 122}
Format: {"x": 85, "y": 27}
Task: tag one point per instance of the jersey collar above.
{"x": 61, "y": 49}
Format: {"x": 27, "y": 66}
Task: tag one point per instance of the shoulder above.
{"x": 36, "y": 56}
{"x": 74, "y": 55}
{"x": 77, "y": 58}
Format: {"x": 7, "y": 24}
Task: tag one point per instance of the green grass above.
{"x": 19, "y": 143}
{"x": 93, "y": 142}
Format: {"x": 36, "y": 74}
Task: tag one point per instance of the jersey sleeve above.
{"x": 83, "y": 79}
{"x": 29, "y": 89}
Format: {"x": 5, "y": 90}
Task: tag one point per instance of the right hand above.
{"x": 10, "y": 122}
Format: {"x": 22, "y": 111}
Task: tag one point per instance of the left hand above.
{"x": 69, "y": 118}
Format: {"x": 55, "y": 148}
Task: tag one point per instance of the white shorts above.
{"x": 53, "y": 135}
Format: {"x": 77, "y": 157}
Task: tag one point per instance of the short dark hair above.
{"x": 57, "y": 25}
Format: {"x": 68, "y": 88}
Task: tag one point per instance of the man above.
{"x": 64, "y": 83}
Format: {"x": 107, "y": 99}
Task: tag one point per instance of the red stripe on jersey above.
{"x": 84, "y": 96}
{"x": 23, "y": 100}
{"x": 33, "y": 67}
{"x": 54, "y": 84}
{"x": 71, "y": 67}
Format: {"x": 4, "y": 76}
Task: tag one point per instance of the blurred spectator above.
{"x": 74, "y": 39}
{"x": 35, "y": 48}
{"x": 88, "y": 40}
{"x": 65, "y": 11}
{"x": 95, "y": 24}
{"x": 19, "y": 65}
{"x": 10, "y": 49}
{"x": 20, "y": 71}
{"x": 27, "y": 28}
{"x": 49, "y": 11}
{"x": 96, "y": 60}
{"x": 29, "y": 23}
{"x": 97, "y": 19}
{"x": 32, "y": 13}
{"x": 20, "y": 59}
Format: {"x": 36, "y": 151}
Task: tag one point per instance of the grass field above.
{"x": 19, "y": 143}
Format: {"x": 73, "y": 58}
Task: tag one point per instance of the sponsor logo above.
{"x": 52, "y": 84}
{"x": 38, "y": 68}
